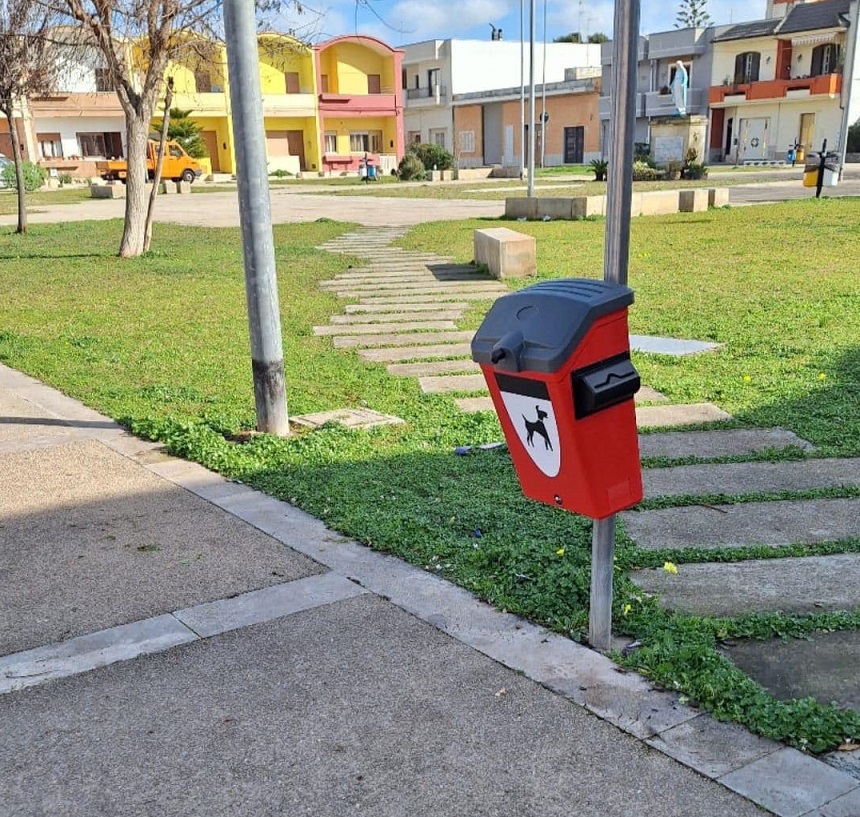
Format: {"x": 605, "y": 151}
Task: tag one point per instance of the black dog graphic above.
{"x": 538, "y": 426}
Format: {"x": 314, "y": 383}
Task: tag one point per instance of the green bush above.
{"x": 65, "y": 179}
{"x": 34, "y": 176}
{"x": 599, "y": 167}
{"x": 411, "y": 168}
{"x": 643, "y": 172}
{"x": 854, "y": 138}
{"x": 432, "y": 156}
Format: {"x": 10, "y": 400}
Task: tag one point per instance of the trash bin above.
{"x": 810, "y": 170}
{"x": 830, "y": 172}
{"x": 362, "y": 170}
{"x": 831, "y": 169}
{"x": 371, "y": 172}
{"x": 556, "y": 358}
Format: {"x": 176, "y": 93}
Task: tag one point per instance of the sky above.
{"x": 399, "y": 22}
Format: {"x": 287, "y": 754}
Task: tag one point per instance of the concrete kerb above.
{"x": 572, "y": 670}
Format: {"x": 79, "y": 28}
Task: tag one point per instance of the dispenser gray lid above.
{"x": 537, "y": 328}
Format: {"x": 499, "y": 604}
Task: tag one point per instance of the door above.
{"x": 296, "y": 144}
{"x": 807, "y": 130}
{"x": 753, "y": 138}
{"x": 210, "y": 139}
{"x": 574, "y": 145}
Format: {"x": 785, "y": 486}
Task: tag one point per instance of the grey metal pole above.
{"x": 622, "y": 122}
{"x": 531, "y": 190}
{"x": 258, "y": 246}
{"x": 543, "y": 96}
{"x": 848, "y": 86}
{"x": 522, "y": 91}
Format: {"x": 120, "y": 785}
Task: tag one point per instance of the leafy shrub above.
{"x": 34, "y": 176}
{"x": 643, "y": 172}
{"x": 854, "y": 138}
{"x": 187, "y": 132}
{"x": 696, "y": 170}
{"x": 411, "y": 168}
{"x": 65, "y": 179}
{"x": 599, "y": 167}
{"x": 431, "y": 155}
{"x": 280, "y": 173}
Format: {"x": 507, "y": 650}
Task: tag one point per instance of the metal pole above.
{"x": 615, "y": 259}
{"x": 848, "y": 86}
{"x": 258, "y": 246}
{"x": 522, "y": 91}
{"x": 531, "y": 190}
{"x": 543, "y": 95}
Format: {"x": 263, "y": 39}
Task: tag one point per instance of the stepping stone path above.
{"x": 407, "y": 312}
{"x": 406, "y": 316}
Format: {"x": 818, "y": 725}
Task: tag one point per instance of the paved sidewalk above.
{"x": 178, "y": 644}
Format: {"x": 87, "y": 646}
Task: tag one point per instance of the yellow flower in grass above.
{"x": 822, "y": 376}
{"x": 560, "y": 552}
{"x": 670, "y": 567}
{"x": 627, "y": 609}
{"x": 747, "y": 379}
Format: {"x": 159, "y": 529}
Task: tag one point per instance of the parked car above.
{"x": 178, "y": 165}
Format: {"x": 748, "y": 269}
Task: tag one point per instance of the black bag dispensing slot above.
{"x": 604, "y": 384}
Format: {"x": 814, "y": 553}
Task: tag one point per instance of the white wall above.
{"x": 485, "y": 65}
{"x": 76, "y": 69}
{"x": 423, "y": 119}
{"x": 70, "y": 127}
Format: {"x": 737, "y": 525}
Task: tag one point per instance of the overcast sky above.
{"x": 406, "y": 21}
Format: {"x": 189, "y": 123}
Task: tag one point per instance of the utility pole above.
{"x": 531, "y": 186}
{"x": 258, "y": 246}
{"x": 522, "y": 94}
{"x": 616, "y": 256}
{"x": 543, "y": 116}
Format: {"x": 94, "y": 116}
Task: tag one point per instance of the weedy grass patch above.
{"x": 161, "y": 343}
{"x": 66, "y": 195}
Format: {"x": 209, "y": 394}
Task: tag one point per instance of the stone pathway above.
{"x": 406, "y": 316}
{"x": 407, "y": 312}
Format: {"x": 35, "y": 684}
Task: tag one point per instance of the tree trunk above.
{"x": 137, "y": 132}
{"x": 159, "y": 163}
{"x": 19, "y": 174}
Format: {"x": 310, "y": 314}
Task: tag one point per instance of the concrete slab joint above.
{"x": 506, "y": 253}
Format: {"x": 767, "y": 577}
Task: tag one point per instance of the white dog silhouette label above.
{"x": 530, "y": 410}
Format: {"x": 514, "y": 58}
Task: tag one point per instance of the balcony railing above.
{"x": 657, "y": 104}
{"x": 827, "y": 84}
{"x": 434, "y": 91}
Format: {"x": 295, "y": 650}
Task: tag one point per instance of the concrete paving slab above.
{"x": 396, "y": 339}
{"x": 750, "y": 477}
{"x": 323, "y": 729}
{"x": 436, "y": 367}
{"x": 845, "y": 761}
{"x": 648, "y": 395}
{"x": 441, "y": 384}
{"x": 683, "y": 414}
{"x": 846, "y": 806}
{"x": 91, "y": 539}
{"x": 396, "y": 317}
{"x": 419, "y": 288}
{"x": 403, "y": 353}
{"x": 794, "y": 585}
{"x": 815, "y": 783}
{"x": 823, "y": 667}
{"x": 349, "y": 418}
{"x": 712, "y": 748}
{"x": 749, "y": 523}
{"x": 670, "y": 346}
{"x": 474, "y": 404}
{"x": 22, "y": 419}
{"x": 436, "y": 296}
{"x": 418, "y": 306}
{"x": 721, "y": 443}
{"x": 375, "y": 328}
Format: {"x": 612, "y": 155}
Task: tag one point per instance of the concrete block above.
{"x": 560, "y": 208}
{"x": 506, "y": 253}
{"x": 183, "y": 187}
{"x": 107, "y": 191}
{"x": 168, "y": 187}
{"x": 588, "y": 206}
{"x": 636, "y": 204}
{"x": 718, "y": 197}
{"x": 693, "y": 201}
{"x": 521, "y": 208}
{"x": 660, "y": 202}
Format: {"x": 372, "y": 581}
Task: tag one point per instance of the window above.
{"x": 324, "y": 83}
{"x": 825, "y": 58}
{"x": 747, "y": 67}
{"x": 365, "y": 142}
{"x": 175, "y": 151}
{"x": 673, "y": 69}
{"x": 203, "y": 82}
{"x": 50, "y": 145}
{"x": 414, "y": 137}
{"x": 374, "y": 84}
{"x": 292, "y": 82}
{"x": 100, "y": 144}
{"x": 330, "y": 142}
{"x": 403, "y": 81}
{"x": 467, "y": 141}
{"x": 438, "y": 137}
{"x": 433, "y": 78}
{"x": 104, "y": 81}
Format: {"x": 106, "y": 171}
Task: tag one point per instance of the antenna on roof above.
{"x": 496, "y": 33}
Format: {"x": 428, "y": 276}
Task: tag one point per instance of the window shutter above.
{"x": 755, "y": 62}
{"x": 817, "y": 59}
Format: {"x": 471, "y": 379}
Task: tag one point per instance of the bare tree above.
{"x": 25, "y": 70}
{"x": 138, "y": 39}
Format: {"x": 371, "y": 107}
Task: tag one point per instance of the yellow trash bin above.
{"x": 810, "y": 171}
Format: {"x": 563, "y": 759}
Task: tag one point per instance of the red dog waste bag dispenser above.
{"x": 556, "y": 357}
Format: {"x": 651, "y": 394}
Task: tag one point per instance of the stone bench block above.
{"x": 506, "y": 253}
{"x": 107, "y": 191}
{"x": 693, "y": 201}
{"x": 555, "y": 208}
{"x": 168, "y": 187}
{"x": 184, "y": 188}
{"x": 588, "y": 206}
{"x": 659, "y": 202}
{"x": 521, "y": 208}
{"x": 718, "y": 197}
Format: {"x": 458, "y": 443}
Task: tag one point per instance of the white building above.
{"x": 435, "y": 72}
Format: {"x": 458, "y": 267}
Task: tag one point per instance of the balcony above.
{"x": 604, "y": 104}
{"x": 203, "y": 104}
{"x": 657, "y": 104}
{"x": 801, "y": 88}
{"x": 674, "y": 44}
{"x": 433, "y": 95}
{"x": 358, "y": 104}
{"x": 60, "y": 103}
{"x": 289, "y": 105}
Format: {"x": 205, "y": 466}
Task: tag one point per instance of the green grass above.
{"x": 66, "y": 195}
{"x": 161, "y": 343}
